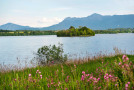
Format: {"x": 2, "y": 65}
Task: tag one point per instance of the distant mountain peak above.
{"x": 95, "y": 15}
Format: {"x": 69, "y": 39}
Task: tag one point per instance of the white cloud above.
{"x": 31, "y": 21}
{"x": 50, "y": 21}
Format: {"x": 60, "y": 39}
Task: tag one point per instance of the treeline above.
{"x": 72, "y": 31}
{"x": 116, "y": 30}
{"x": 25, "y": 33}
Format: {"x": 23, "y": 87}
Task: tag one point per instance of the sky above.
{"x": 43, "y": 13}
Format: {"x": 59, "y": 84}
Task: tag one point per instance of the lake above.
{"x": 13, "y": 48}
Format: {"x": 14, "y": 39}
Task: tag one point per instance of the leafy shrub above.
{"x": 51, "y": 54}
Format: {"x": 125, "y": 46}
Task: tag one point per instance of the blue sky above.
{"x": 42, "y": 13}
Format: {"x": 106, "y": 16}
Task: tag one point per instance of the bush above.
{"x": 51, "y": 54}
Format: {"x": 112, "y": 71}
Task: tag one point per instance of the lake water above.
{"x": 23, "y": 47}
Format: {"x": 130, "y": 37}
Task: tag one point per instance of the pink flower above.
{"x": 104, "y": 77}
{"x": 52, "y": 61}
{"x": 127, "y": 58}
{"x": 29, "y": 75}
{"x": 126, "y": 85}
{"x": 83, "y": 72}
{"x": 102, "y": 62}
{"x": 115, "y": 84}
{"x": 119, "y": 63}
{"x": 40, "y": 75}
{"x": 66, "y": 89}
{"x": 124, "y": 56}
{"x": 39, "y": 72}
{"x": 48, "y": 85}
{"x": 82, "y": 78}
{"x": 106, "y": 74}
{"x": 91, "y": 77}
{"x": 128, "y": 82}
{"x": 14, "y": 79}
{"x": 98, "y": 79}
{"x": 127, "y": 65}
{"x": 87, "y": 75}
{"x": 94, "y": 78}
{"x": 110, "y": 75}
{"x": 99, "y": 87}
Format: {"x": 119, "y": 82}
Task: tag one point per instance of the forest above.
{"x": 72, "y": 31}
{"x": 25, "y": 33}
{"x": 114, "y": 31}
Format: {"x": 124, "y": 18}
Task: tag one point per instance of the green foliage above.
{"x": 25, "y": 33}
{"x": 72, "y": 31}
{"x": 51, "y": 54}
{"x": 68, "y": 76}
{"x": 114, "y": 31}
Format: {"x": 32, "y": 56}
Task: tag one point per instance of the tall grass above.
{"x": 103, "y": 73}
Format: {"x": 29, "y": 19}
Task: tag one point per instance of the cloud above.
{"x": 50, "y": 21}
{"x": 60, "y": 9}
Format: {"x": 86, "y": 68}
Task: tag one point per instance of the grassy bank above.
{"x": 107, "y": 73}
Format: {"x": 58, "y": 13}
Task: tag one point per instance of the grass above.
{"x": 107, "y": 73}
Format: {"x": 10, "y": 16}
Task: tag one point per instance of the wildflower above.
{"x": 126, "y": 85}
{"x": 98, "y": 79}
{"x": 83, "y": 72}
{"x": 99, "y": 87}
{"x": 119, "y": 63}
{"x": 102, "y": 62}
{"x": 48, "y": 85}
{"x": 127, "y": 58}
{"x": 66, "y": 89}
{"x": 115, "y": 84}
{"x": 128, "y": 82}
{"x": 41, "y": 76}
{"x": 29, "y": 75}
{"x": 87, "y": 75}
{"x": 94, "y": 78}
{"x": 110, "y": 75}
{"x": 39, "y": 72}
{"x": 104, "y": 77}
{"x": 91, "y": 77}
{"x": 82, "y": 78}
{"x": 14, "y": 79}
{"x": 124, "y": 56}
{"x": 53, "y": 62}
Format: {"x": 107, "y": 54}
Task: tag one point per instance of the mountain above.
{"x": 94, "y": 21}
{"x": 11, "y": 26}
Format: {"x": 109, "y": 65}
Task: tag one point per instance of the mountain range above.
{"x": 94, "y": 21}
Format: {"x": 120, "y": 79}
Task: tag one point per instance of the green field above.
{"x": 107, "y": 73}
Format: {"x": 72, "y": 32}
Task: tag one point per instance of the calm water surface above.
{"x": 23, "y": 47}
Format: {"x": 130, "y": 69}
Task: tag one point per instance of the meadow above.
{"x": 100, "y": 73}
